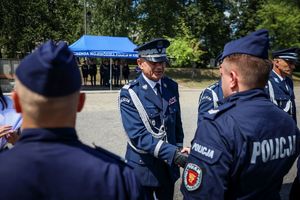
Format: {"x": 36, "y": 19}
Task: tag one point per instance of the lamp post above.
{"x": 85, "y": 17}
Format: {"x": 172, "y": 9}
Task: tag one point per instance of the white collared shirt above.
{"x": 152, "y": 83}
{"x": 281, "y": 79}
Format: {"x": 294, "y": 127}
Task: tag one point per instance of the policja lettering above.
{"x": 273, "y": 149}
{"x": 203, "y": 150}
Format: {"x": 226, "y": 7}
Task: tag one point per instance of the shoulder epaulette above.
{"x": 214, "y": 113}
{"x": 130, "y": 84}
{"x": 126, "y": 87}
{"x": 212, "y": 86}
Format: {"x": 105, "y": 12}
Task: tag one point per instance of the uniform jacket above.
{"x": 151, "y": 166}
{"x": 282, "y": 93}
{"x": 210, "y": 98}
{"x": 242, "y": 150}
{"x": 54, "y": 164}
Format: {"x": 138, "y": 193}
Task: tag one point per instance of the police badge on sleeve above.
{"x": 192, "y": 176}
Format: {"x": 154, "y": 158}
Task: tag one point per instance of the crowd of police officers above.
{"x": 246, "y": 140}
{"x": 89, "y": 70}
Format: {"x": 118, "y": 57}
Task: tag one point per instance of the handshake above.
{"x": 181, "y": 156}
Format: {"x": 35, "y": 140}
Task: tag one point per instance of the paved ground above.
{"x": 100, "y": 123}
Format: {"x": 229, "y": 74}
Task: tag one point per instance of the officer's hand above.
{"x": 12, "y": 137}
{"x": 180, "y": 158}
{"x": 6, "y": 129}
{"x": 186, "y": 150}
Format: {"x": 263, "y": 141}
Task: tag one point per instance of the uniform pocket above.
{"x": 173, "y": 108}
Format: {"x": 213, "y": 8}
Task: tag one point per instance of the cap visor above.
{"x": 156, "y": 59}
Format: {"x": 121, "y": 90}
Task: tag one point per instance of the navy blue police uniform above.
{"x": 242, "y": 149}
{"x": 155, "y": 133}
{"x": 295, "y": 190}
{"x": 281, "y": 90}
{"x": 51, "y": 163}
{"x": 210, "y": 98}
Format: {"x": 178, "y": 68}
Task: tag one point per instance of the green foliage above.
{"x": 208, "y": 24}
{"x": 197, "y": 29}
{"x": 111, "y": 17}
{"x": 283, "y": 22}
{"x": 184, "y": 50}
{"x": 155, "y": 18}
{"x": 27, "y": 23}
{"x": 243, "y": 16}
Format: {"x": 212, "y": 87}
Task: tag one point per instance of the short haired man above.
{"x": 211, "y": 96}
{"x": 48, "y": 161}
{"x": 243, "y": 149}
{"x": 150, "y": 112}
{"x": 280, "y": 86}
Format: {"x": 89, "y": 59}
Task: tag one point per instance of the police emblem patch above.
{"x": 192, "y": 177}
{"x": 145, "y": 87}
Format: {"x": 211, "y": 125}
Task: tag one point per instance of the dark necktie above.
{"x": 158, "y": 91}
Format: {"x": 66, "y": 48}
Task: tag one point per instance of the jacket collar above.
{"x": 48, "y": 134}
{"x": 246, "y": 95}
{"x": 149, "y": 93}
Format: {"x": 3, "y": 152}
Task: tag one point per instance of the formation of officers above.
{"x": 89, "y": 70}
{"x": 246, "y": 140}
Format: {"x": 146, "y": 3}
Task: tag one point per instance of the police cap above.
{"x": 154, "y": 50}
{"x": 255, "y": 44}
{"x": 291, "y": 54}
{"x": 218, "y": 60}
{"x": 51, "y": 70}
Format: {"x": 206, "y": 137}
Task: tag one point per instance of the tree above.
{"x": 283, "y": 22}
{"x": 243, "y": 18}
{"x": 111, "y": 17}
{"x": 208, "y": 24}
{"x": 27, "y": 23}
{"x": 155, "y": 18}
{"x": 184, "y": 49}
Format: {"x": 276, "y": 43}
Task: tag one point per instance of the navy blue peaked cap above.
{"x": 255, "y": 44}
{"x": 51, "y": 70}
{"x": 154, "y": 50}
{"x": 291, "y": 54}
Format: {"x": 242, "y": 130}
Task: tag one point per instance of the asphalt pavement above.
{"x": 100, "y": 123}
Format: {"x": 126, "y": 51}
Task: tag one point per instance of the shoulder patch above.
{"x": 192, "y": 177}
{"x": 206, "y": 97}
{"x": 205, "y": 152}
{"x": 124, "y": 99}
